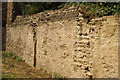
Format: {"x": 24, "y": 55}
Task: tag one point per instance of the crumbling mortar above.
{"x": 81, "y": 36}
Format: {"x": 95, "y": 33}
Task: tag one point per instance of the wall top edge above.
{"x": 68, "y": 13}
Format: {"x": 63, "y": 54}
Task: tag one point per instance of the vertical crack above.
{"x": 35, "y": 42}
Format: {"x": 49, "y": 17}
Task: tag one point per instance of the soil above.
{"x": 14, "y": 67}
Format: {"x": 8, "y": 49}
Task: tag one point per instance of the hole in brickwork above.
{"x": 87, "y": 69}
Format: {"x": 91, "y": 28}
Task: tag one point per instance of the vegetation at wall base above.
{"x": 57, "y": 76}
{"x": 13, "y": 56}
{"x": 14, "y": 67}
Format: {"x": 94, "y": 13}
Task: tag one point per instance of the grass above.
{"x": 12, "y": 55}
{"x": 57, "y": 76}
{"x": 15, "y": 67}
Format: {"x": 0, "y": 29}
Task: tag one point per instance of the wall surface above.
{"x": 106, "y": 58}
{"x": 63, "y": 43}
{"x": 20, "y": 41}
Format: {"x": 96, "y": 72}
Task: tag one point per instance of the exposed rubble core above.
{"x": 63, "y": 42}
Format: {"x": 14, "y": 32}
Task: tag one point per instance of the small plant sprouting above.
{"x": 57, "y": 76}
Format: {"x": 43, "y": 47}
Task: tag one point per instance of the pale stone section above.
{"x": 20, "y": 41}
{"x": 106, "y": 56}
{"x": 55, "y": 47}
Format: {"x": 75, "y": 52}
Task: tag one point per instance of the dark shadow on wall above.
{"x": 16, "y": 11}
{"x": 4, "y": 14}
{"x": 4, "y": 20}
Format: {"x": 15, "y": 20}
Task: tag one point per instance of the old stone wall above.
{"x": 63, "y": 42}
